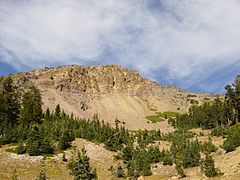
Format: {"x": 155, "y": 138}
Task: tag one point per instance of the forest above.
{"x": 37, "y": 132}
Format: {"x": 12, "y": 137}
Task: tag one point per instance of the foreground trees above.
{"x": 31, "y": 111}
{"x": 9, "y": 106}
{"x": 208, "y": 167}
{"x": 80, "y": 167}
{"x": 23, "y": 121}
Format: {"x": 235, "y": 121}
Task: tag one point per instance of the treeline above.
{"x": 222, "y": 116}
{"x": 23, "y": 121}
{"x": 213, "y": 114}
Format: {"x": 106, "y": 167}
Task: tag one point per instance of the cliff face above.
{"x": 111, "y": 91}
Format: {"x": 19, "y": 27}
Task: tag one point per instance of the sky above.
{"x": 193, "y": 44}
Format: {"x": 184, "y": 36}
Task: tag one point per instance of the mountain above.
{"x": 110, "y": 91}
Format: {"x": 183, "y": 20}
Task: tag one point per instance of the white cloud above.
{"x": 188, "y": 39}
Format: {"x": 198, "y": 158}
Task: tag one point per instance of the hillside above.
{"x": 110, "y": 91}
{"x": 30, "y": 137}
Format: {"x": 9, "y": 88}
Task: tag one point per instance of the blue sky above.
{"x": 193, "y": 44}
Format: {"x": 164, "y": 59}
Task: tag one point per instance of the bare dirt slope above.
{"x": 110, "y": 91}
{"x": 28, "y": 167}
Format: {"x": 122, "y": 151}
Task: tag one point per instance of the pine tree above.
{"x": 208, "y": 167}
{"x": 58, "y": 111}
{"x": 34, "y": 142}
{"x": 237, "y": 97}
{"x": 31, "y": 111}
{"x": 47, "y": 114}
{"x": 80, "y": 167}
{"x": 64, "y": 141}
{"x": 9, "y": 106}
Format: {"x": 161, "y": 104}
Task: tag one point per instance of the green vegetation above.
{"x": 80, "y": 167}
{"x": 213, "y": 114}
{"x": 180, "y": 171}
{"x": 161, "y": 116}
{"x": 208, "y": 167}
{"x": 233, "y": 139}
{"x": 191, "y": 95}
{"x": 23, "y": 122}
{"x": 208, "y": 147}
{"x": 117, "y": 172}
{"x": 154, "y": 118}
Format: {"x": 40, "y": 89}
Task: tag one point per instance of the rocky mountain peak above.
{"x": 111, "y": 91}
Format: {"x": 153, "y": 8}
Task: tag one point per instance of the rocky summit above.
{"x": 110, "y": 91}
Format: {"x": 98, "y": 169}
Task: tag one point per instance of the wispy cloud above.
{"x": 175, "y": 41}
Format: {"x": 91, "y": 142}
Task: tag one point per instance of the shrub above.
{"x": 208, "y": 147}
{"x": 118, "y": 172}
{"x": 21, "y": 149}
{"x": 167, "y": 160}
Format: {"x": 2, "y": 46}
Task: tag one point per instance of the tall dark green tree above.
{"x": 208, "y": 167}
{"x": 236, "y": 85}
{"x": 229, "y": 108}
{"x": 58, "y": 111}
{"x": 34, "y": 142}
{"x": 9, "y": 105}
{"x": 31, "y": 111}
{"x": 47, "y": 114}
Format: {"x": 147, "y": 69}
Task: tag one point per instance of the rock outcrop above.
{"x": 110, "y": 91}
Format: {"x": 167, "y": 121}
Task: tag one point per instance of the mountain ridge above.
{"x": 111, "y": 91}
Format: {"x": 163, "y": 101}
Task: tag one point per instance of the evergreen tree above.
{"x": 31, "y": 111}
{"x": 45, "y": 147}
{"x": 80, "y": 167}
{"x": 237, "y": 97}
{"x": 47, "y": 114}
{"x": 34, "y": 142}
{"x": 64, "y": 141}
{"x": 58, "y": 111}
{"x": 208, "y": 167}
{"x": 9, "y": 106}
{"x": 233, "y": 139}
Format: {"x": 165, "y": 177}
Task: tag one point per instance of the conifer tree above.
{"x": 31, "y": 111}
{"x": 58, "y": 111}
{"x": 10, "y": 105}
{"x": 237, "y": 97}
{"x": 47, "y": 114}
{"x": 208, "y": 167}
{"x": 34, "y": 142}
{"x": 80, "y": 167}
